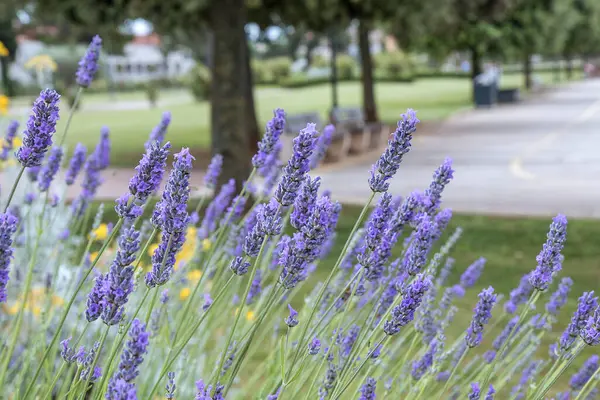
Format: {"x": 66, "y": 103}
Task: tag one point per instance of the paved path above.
{"x": 540, "y": 157}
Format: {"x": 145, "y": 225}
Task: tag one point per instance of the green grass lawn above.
{"x": 434, "y": 98}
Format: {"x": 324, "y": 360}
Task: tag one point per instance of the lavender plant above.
{"x": 184, "y": 305}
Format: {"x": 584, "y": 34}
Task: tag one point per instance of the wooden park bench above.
{"x": 364, "y": 136}
{"x": 340, "y": 143}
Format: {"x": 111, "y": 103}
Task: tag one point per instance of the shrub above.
{"x": 199, "y": 82}
{"x": 261, "y": 72}
{"x": 346, "y": 67}
{"x": 279, "y": 68}
{"x": 152, "y": 93}
{"x": 393, "y": 65}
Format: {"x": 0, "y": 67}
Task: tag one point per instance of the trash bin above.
{"x": 486, "y": 90}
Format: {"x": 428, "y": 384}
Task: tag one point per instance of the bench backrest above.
{"x": 296, "y": 122}
{"x": 347, "y": 115}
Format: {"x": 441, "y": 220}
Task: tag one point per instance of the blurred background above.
{"x": 504, "y": 87}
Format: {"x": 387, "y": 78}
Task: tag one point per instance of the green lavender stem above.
{"x": 14, "y": 188}
{"x": 71, "y": 113}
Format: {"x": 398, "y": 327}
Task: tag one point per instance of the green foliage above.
{"x": 261, "y": 72}
{"x": 394, "y": 65}
{"x": 152, "y": 93}
{"x": 279, "y": 67}
{"x": 199, "y": 81}
{"x": 346, "y": 66}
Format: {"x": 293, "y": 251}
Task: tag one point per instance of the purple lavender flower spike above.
{"x": 441, "y": 220}
{"x": 170, "y": 387}
{"x": 8, "y": 227}
{"x": 314, "y": 346}
{"x": 255, "y": 287}
{"x": 87, "y": 360}
{"x": 50, "y": 169}
{"x": 173, "y": 219}
{"x": 29, "y": 198}
{"x": 475, "y": 392}
{"x": 54, "y": 200}
{"x": 305, "y": 202}
{"x": 585, "y": 373}
{"x": 404, "y": 313}
{"x": 76, "y": 163}
{"x": 502, "y": 337}
{"x": 126, "y": 208}
{"x": 421, "y": 366}
{"x": 579, "y": 321}
{"x": 367, "y": 391}
{"x": 103, "y": 148}
{"x": 203, "y": 391}
{"x": 416, "y": 255}
{"x": 68, "y": 354}
{"x": 207, "y": 302}
{"x": 591, "y": 333}
{"x": 519, "y": 295}
{"x": 323, "y": 143}
{"x": 119, "y": 281}
{"x": 131, "y": 358}
{"x": 294, "y": 173}
{"x": 481, "y": 316}
{"x": 149, "y": 172}
{"x": 7, "y": 145}
{"x": 559, "y": 297}
{"x": 389, "y": 162}
{"x": 292, "y": 319}
{"x": 273, "y": 131}
{"x": 95, "y": 301}
{"x": 490, "y": 394}
{"x": 159, "y": 131}
{"x": 33, "y": 173}
{"x": 469, "y": 278}
{"x": 239, "y": 266}
{"x": 433, "y": 194}
{"x": 549, "y": 258}
{"x": 213, "y": 171}
{"x": 37, "y": 137}
{"x": 216, "y": 209}
{"x": 88, "y": 65}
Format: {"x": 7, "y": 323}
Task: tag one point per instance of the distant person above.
{"x": 588, "y": 70}
{"x": 465, "y": 66}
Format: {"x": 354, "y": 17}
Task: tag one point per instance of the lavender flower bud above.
{"x": 441, "y": 220}
{"x": 273, "y": 131}
{"x": 88, "y": 65}
{"x": 292, "y": 319}
{"x": 159, "y": 131}
{"x": 591, "y": 333}
{"x": 207, "y": 302}
{"x": 475, "y": 392}
{"x": 87, "y": 361}
{"x": 367, "y": 391}
{"x": 389, "y": 162}
{"x": 50, "y": 169}
{"x": 76, "y": 163}
{"x": 95, "y": 301}
{"x": 549, "y": 258}
{"x": 131, "y": 357}
{"x": 323, "y": 143}
{"x": 102, "y": 150}
{"x": 490, "y": 394}
{"x": 33, "y": 172}
{"x": 11, "y": 133}
{"x": 519, "y": 295}
{"x": 8, "y": 227}
{"x": 119, "y": 281}
{"x": 239, "y": 266}
{"x": 404, "y": 313}
{"x": 170, "y": 387}
{"x": 584, "y": 374}
{"x": 502, "y": 337}
{"x": 433, "y": 194}
{"x": 305, "y": 202}
{"x": 314, "y": 346}
{"x": 469, "y": 278}
{"x": 37, "y": 137}
{"x": 416, "y": 255}
{"x": 585, "y": 307}
{"x": 213, "y": 171}
{"x": 559, "y": 297}
{"x": 216, "y": 208}
{"x": 482, "y": 315}
{"x": 149, "y": 172}
{"x": 421, "y": 366}
{"x": 295, "y": 171}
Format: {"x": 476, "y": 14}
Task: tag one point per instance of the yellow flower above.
{"x": 17, "y": 142}
{"x": 194, "y": 275}
{"x": 152, "y": 248}
{"x": 41, "y": 62}
{"x": 93, "y": 256}
{"x": 191, "y": 233}
{"x": 3, "y": 50}
{"x": 36, "y": 301}
{"x": 184, "y": 293}
{"x": 206, "y": 244}
{"x": 250, "y": 316}
{"x": 101, "y": 232}
{"x": 4, "y": 103}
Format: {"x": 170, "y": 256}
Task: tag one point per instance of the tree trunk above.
{"x": 228, "y": 97}
{"x": 250, "y": 108}
{"x": 527, "y": 70}
{"x": 369, "y": 104}
{"x": 334, "y": 72}
{"x": 475, "y": 67}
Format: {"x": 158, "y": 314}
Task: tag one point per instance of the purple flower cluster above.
{"x": 121, "y": 384}
{"x": 314, "y": 346}
{"x": 389, "y": 162}
{"x": 323, "y": 143}
{"x": 88, "y": 65}
{"x": 579, "y": 321}
{"x": 549, "y": 258}
{"x": 559, "y": 297}
{"x": 213, "y": 171}
{"x": 305, "y": 202}
{"x": 294, "y": 173}
{"x": 11, "y": 133}
{"x": 37, "y": 137}
{"x": 69, "y": 355}
{"x": 292, "y": 319}
{"x": 269, "y": 140}
{"x": 404, "y": 312}
{"x": 8, "y": 227}
{"x": 102, "y": 150}
{"x": 160, "y": 131}
{"x": 502, "y": 337}
{"x": 422, "y": 365}
{"x": 470, "y": 277}
{"x": 76, "y": 163}
{"x": 433, "y": 194}
{"x": 172, "y": 218}
{"x": 482, "y": 315}
{"x": 519, "y": 295}
{"x": 407, "y": 212}
{"x": 49, "y": 170}
{"x": 585, "y": 373}
{"x": 367, "y": 391}
{"x": 149, "y": 172}
{"x": 421, "y": 243}
{"x": 377, "y": 241}
{"x": 216, "y": 209}
{"x": 591, "y": 333}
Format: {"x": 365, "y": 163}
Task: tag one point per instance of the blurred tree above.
{"x": 584, "y": 36}
{"x": 8, "y": 37}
